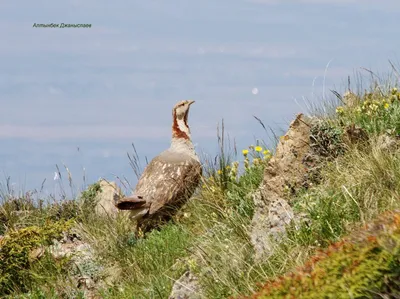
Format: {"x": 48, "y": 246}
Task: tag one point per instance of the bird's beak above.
{"x": 191, "y": 102}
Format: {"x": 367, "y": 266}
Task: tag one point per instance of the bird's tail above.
{"x": 133, "y": 202}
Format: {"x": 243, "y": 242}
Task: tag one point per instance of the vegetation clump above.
{"x": 16, "y": 248}
{"x": 23, "y": 211}
{"x": 364, "y": 265}
{"x": 377, "y": 111}
{"x": 228, "y": 187}
{"x": 326, "y": 140}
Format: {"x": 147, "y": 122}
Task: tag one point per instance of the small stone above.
{"x": 36, "y": 253}
{"x": 186, "y": 287}
{"x": 105, "y": 199}
{"x": 387, "y": 143}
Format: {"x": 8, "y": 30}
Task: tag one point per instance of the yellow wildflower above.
{"x": 228, "y": 167}
{"x": 245, "y": 152}
{"x": 266, "y": 152}
{"x": 258, "y": 148}
{"x": 339, "y": 110}
{"x": 267, "y": 157}
{"x": 386, "y": 105}
{"x": 233, "y": 172}
{"x": 246, "y": 163}
{"x": 140, "y": 232}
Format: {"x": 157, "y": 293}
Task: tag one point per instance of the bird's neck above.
{"x": 181, "y": 139}
{"x": 182, "y": 145}
{"x": 180, "y": 127}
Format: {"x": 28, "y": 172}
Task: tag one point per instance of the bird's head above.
{"x": 181, "y": 109}
{"x": 180, "y": 113}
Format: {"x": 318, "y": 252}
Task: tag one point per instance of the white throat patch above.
{"x": 183, "y": 127}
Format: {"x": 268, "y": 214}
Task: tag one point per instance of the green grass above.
{"x": 364, "y": 265}
{"x": 353, "y": 184}
{"x": 355, "y": 188}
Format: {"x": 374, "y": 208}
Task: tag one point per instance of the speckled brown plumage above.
{"x": 169, "y": 180}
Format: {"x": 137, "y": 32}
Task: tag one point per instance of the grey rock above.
{"x": 350, "y": 99}
{"x": 386, "y": 142}
{"x": 271, "y": 216}
{"x": 86, "y": 271}
{"x": 186, "y": 287}
{"x": 105, "y": 199}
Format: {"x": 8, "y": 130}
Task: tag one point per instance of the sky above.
{"x": 80, "y": 97}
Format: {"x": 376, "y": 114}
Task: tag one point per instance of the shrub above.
{"x": 326, "y": 139}
{"x": 15, "y": 249}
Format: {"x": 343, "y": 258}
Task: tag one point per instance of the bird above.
{"x": 169, "y": 180}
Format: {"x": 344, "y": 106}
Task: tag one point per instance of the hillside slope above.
{"x": 257, "y": 217}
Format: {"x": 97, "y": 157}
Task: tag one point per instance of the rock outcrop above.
{"x": 350, "y": 99}
{"x": 105, "y": 199}
{"x": 87, "y": 272}
{"x": 283, "y": 174}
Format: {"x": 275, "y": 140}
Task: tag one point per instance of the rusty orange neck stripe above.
{"x": 176, "y": 131}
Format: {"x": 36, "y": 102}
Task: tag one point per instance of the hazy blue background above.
{"x": 100, "y": 89}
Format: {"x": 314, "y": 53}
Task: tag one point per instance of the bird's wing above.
{"x": 168, "y": 179}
